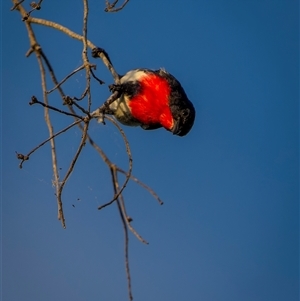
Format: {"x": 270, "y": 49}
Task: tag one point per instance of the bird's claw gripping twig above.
{"x": 97, "y": 51}
{"x": 115, "y": 88}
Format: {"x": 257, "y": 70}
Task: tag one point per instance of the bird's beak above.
{"x": 176, "y": 128}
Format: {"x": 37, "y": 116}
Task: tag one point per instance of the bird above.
{"x": 152, "y": 99}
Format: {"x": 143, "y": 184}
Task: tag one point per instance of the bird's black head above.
{"x": 182, "y": 109}
{"x": 183, "y": 117}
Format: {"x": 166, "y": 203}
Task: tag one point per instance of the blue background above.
{"x": 229, "y": 227}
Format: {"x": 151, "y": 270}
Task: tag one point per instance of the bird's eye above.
{"x": 185, "y": 112}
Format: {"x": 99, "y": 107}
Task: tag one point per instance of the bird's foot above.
{"x": 115, "y": 88}
{"x": 97, "y": 52}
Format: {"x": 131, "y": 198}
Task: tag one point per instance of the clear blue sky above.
{"x": 229, "y": 228}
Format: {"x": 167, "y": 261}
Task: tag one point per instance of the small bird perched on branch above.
{"x": 152, "y": 99}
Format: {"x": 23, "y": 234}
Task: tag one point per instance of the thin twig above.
{"x": 84, "y": 53}
{"x": 76, "y": 36}
{"x": 66, "y": 78}
{"x": 70, "y": 102}
{"x": 128, "y": 219}
{"x": 34, "y": 100}
{"x": 111, "y": 5}
{"x": 26, "y": 157}
{"x": 35, "y": 6}
{"x": 81, "y": 145}
{"x": 99, "y": 112}
{"x": 130, "y": 162}
{"x": 100, "y": 81}
{"x": 99, "y": 150}
{"x": 83, "y": 95}
{"x": 66, "y": 99}
{"x": 100, "y": 52}
{"x": 59, "y": 27}
{"x": 39, "y": 54}
{"x": 123, "y": 218}
{"x": 53, "y": 149}
{"x": 151, "y": 191}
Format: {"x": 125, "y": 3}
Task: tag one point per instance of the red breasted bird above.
{"x": 152, "y": 99}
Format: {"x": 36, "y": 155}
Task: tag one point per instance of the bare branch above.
{"x": 129, "y": 219}
{"x": 130, "y": 163}
{"x": 53, "y": 149}
{"x": 34, "y": 100}
{"x": 76, "y": 36}
{"x": 123, "y": 218}
{"x": 100, "y": 52}
{"x": 61, "y": 28}
{"x": 26, "y": 157}
{"x": 69, "y": 101}
{"x": 101, "y": 82}
{"x": 39, "y": 54}
{"x": 84, "y": 54}
{"x": 72, "y": 104}
{"x": 65, "y": 79}
{"x": 154, "y": 194}
{"x": 110, "y": 7}
{"x": 62, "y": 184}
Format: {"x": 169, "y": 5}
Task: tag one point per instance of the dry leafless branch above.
{"x": 83, "y": 119}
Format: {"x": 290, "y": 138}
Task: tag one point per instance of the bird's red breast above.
{"x": 151, "y": 104}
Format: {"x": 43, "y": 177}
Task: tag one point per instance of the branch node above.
{"x": 33, "y": 100}
{"x": 110, "y": 7}
{"x": 34, "y": 48}
{"x": 67, "y": 100}
{"x": 22, "y": 158}
{"x": 25, "y": 17}
{"x": 86, "y": 119}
